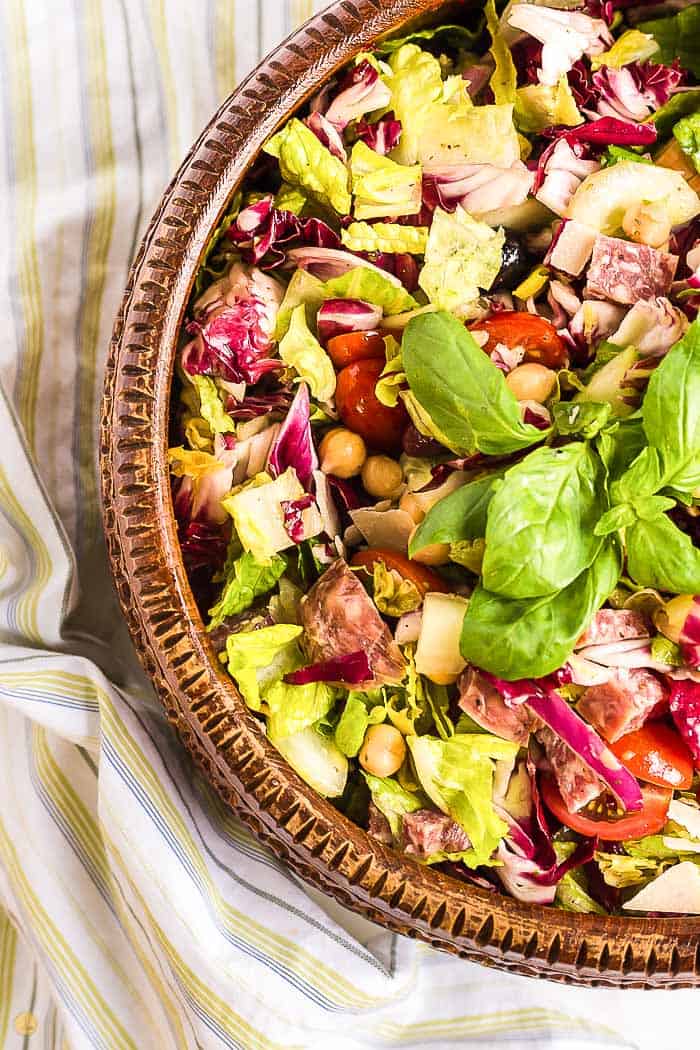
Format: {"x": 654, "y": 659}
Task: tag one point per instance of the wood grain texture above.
{"x": 200, "y": 701}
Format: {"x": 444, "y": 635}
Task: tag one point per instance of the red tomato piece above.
{"x": 535, "y": 334}
{"x": 657, "y": 754}
{"x": 358, "y": 407}
{"x": 420, "y": 575}
{"x": 355, "y": 346}
{"x": 601, "y": 820}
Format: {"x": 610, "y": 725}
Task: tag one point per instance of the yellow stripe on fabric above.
{"x": 27, "y": 263}
{"x": 27, "y": 604}
{"x": 99, "y": 239}
{"x": 291, "y": 955}
{"x": 162, "y": 992}
{"x": 481, "y": 1024}
{"x": 225, "y": 47}
{"x": 159, "y": 29}
{"x": 218, "y": 1010}
{"x": 60, "y": 955}
{"x": 8, "y": 955}
{"x": 71, "y": 687}
{"x": 4, "y": 562}
{"x": 301, "y": 11}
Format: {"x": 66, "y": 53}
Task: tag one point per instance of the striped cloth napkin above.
{"x": 135, "y": 911}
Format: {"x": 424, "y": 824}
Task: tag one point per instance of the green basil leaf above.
{"x": 643, "y": 477}
{"x": 616, "y": 518}
{"x": 659, "y": 555}
{"x": 540, "y": 531}
{"x": 619, "y": 445}
{"x": 671, "y": 411}
{"x": 520, "y": 638}
{"x": 678, "y": 37}
{"x": 461, "y": 515}
{"x": 580, "y": 418}
{"x": 461, "y": 389}
{"x": 649, "y": 508}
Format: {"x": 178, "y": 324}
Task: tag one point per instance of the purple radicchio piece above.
{"x": 294, "y": 446}
{"x": 338, "y": 316}
{"x": 361, "y": 92}
{"x": 382, "y": 136}
{"x": 351, "y": 669}
{"x": 262, "y": 232}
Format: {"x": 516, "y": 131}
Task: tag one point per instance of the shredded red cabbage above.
{"x": 351, "y": 669}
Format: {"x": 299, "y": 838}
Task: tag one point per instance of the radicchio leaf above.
{"x": 635, "y": 91}
{"x": 294, "y": 446}
{"x": 337, "y": 316}
{"x": 231, "y": 345}
{"x": 383, "y": 135}
{"x": 361, "y": 92}
{"x": 262, "y": 233}
{"x": 293, "y": 510}
{"x": 351, "y": 669}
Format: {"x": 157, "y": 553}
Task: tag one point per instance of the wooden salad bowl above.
{"x": 200, "y": 700}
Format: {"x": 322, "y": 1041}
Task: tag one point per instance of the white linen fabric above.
{"x": 135, "y": 910}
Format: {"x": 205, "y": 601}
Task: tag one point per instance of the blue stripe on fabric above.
{"x": 22, "y": 693}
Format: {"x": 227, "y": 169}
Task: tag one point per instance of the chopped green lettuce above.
{"x": 393, "y": 378}
{"x": 211, "y": 406}
{"x": 457, "y": 775}
{"x": 290, "y": 198}
{"x": 382, "y": 187}
{"x": 462, "y": 256}
{"x": 352, "y": 725}
{"x": 301, "y": 350}
{"x": 257, "y": 659}
{"x": 539, "y": 106}
{"x": 306, "y": 163}
{"x": 258, "y": 516}
{"x": 470, "y": 135}
{"x": 303, "y": 289}
{"x": 393, "y": 801}
{"x": 372, "y": 286}
{"x": 666, "y": 652}
{"x": 504, "y": 79}
{"x": 416, "y": 87}
{"x": 469, "y": 554}
{"x": 678, "y": 37}
{"x": 294, "y": 707}
{"x": 191, "y": 463}
{"x": 246, "y": 580}
{"x": 315, "y": 758}
{"x": 632, "y": 46}
{"x": 687, "y": 135}
{"x": 384, "y": 237}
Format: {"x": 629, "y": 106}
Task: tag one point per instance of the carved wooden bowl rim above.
{"x": 200, "y": 700}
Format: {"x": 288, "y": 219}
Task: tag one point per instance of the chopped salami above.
{"x": 339, "y": 618}
{"x": 623, "y": 703}
{"x": 578, "y": 785}
{"x": 378, "y": 826}
{"x": 614, "y": 625}
{"x": 426, "y": 832}
{"x": 481, "y": 700}
{"x": 625, "y": 272}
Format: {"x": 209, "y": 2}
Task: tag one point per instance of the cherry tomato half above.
{"x": 358, "y": 407}
{"x": 535, "y": 334}
{"x": 657, "y": 754}
{"x": 423, "y": 578}
{"x": 648, "y": 820}
{"x": 354, "y": 346}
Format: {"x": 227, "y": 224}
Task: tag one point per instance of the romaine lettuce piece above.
{"x": 305, "y": 162}
{"x": 315, "y": 758}
{"x": 258, "y": 514}
{"x": 301, "y": 350}
{"x": 384, "y": 237}
{"x": 457, "y": 775}
{"x": 382, "y": 187}
{"x": 416, "y": 86}
{"x": 394, "y": 801}
{"x": 294, "y": 707}
{"x": 462, "y": 256}
{"x": 372, "y": 286}
{"x": 470, "y": 135}
{"x": 211, "y": 406}
{"x": 603, "y": 197}
{"x": 539, "y": 106}
{"x": 687, "y": 134}
{"x": 504, "y": 79}
{"x": 257, "y": 659}
{"x": 303, "y": 290}
{"x": 246, "y": 580}
{"x": 632, "y": 46}
{"x": 678, "y": 37}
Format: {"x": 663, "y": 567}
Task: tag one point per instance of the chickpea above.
{"x": 382, "y": 477}
{"x": 670, "y": 619}
{"x": 647, "y": 223}
{"x": 383, "y": 750}
{"x": 342, "y": 452}
{"x": 433, "y": 554}
{"x": 411, "y": 505}
{"x": 531, "y": 382}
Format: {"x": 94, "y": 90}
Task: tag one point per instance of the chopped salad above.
{"x": 436, "y": 449}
